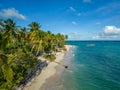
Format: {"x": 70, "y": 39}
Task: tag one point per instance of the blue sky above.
{"x": 79, "y": 19}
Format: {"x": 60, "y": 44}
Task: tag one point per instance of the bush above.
{"x": 50, "y": 57}
{"x": 64, "y": 48}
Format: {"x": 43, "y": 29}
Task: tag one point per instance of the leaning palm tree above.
{"x": 41, "y": 36}
{"x": 34, "y": 35}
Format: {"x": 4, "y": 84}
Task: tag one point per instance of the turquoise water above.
{"x": 93, "y": 67}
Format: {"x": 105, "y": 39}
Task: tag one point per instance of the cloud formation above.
{"x": 74, "y": 36}
{"x": 96, "y": 37}
{"x": 109, "y": 7}
{"x": 108, "y": 11}
{"x": 75, "y": 11}
{"x": 79, "y": 14}
{"x": 109, "y": 32}
{"x": 74, "y": 23}
{"x": 72, "y": 9}
{"x": 11, "y": 12}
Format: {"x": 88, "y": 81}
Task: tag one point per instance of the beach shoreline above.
{"x": 46, "y": 75}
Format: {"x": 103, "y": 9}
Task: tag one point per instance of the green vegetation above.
{"x": 50, "y": 57}
{"x": 19, "y": 47}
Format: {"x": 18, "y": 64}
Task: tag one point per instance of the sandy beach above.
{"x": 46, "y": 74}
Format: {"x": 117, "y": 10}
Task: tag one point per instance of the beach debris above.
{"x": 65, "y": 66}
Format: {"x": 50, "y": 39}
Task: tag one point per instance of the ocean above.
{"x": 92, "y": 65}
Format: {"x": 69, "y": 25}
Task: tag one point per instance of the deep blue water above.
{"x": 93, "y": 67}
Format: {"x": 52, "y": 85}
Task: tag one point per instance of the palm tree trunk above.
{"x": 39, "y": 47}
{"x": 38, "y": 51}
{"x": 32, "y": 48}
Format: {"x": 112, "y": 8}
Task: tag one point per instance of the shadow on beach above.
{"x": 27, "y": 81}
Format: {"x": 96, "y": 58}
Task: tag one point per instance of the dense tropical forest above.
{"x": 20, "y": 47}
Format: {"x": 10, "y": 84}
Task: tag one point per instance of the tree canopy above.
{"x": 19, "y": 48}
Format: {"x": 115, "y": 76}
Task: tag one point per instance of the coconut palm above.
{"x": 19, "y": 48}
{"x": 34, "y": 26}
{"x": 10, "y": 32}
{"x": 35, "y": 37}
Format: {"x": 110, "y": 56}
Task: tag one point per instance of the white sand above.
{"x": 49, "y": 71}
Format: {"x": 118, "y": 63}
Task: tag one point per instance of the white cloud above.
{"x": 74, "y": 36}
{"x": 79, "y": 14}
{"x": 72, "y": 9}
{"x": 109, "y": 7}
{"x": 11, "y": 12}
{"x": 74, "y": 23}
{"x": 96, "y": 37}
{"x": 109, "y": 32}
{"x": 87, "y": 1}
{"x": 74, "y": 33}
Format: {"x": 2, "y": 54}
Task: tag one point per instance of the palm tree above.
{"x": 2, "y": 24}
{"x": 18, "y": 48}
{"x": 34, "y": 35}
{"x": 21, "y": 36}
{"x": 6, "y": 71}
{"x": 10, "y": 32}
{"x": 34, "y": 26}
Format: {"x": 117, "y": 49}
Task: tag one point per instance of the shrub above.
{"x": 50, "y": 57}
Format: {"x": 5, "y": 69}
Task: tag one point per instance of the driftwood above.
{"x": 65, "y": 66}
